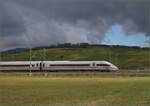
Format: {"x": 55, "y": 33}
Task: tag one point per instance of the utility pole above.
{"x": 44, "y": 54}
{"x": 30, "y": 56}
{"x": 0, "y": 56}
{"x": 116, "y": 59}
{"x": 44, "y": 59}
{"x": 0, "y": 53}
{"x": 110, "y": 55}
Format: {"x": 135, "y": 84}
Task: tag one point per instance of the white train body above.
{"x": 19, "y": 65}
{"x": 58, "y": 65}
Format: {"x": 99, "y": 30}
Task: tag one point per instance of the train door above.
{"x": 94, "y": 66}
{"x": 40, "y": 66}
{"x": 43, "y": 66}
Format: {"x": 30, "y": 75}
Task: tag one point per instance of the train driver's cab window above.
{"x": 103, "y": 65}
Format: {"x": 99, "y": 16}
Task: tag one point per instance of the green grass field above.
{"x": 86, "y": 90}
{"x": 124, "y": 58}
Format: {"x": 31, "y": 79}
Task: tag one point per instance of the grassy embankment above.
{"x": 124, "y": 58}
{"x": 74, "y": 91}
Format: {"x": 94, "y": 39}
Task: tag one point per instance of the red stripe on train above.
{"x": 70, "y": 67}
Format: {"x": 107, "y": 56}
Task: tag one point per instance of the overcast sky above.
{"x": 30, "y": 23}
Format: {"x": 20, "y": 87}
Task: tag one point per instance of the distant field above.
{"x": 74, "y": 91}
{"x": 124, "y": 58}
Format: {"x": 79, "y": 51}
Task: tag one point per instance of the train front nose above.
{"x": 117, "y": 68}
{"x": 114, "y": 68}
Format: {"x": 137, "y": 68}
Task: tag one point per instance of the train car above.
{"x": 20, "y": 65}
{"x": 57, "y": 66}
{"x": 78, "y": 65}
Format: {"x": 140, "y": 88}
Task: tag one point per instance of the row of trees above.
{"x": 85, "y": 45}
{"x": 70, "y": 45}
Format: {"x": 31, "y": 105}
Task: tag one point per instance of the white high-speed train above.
{"x": 57, "y": 66}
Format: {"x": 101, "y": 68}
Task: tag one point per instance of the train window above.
{"x": 83, "y": 64}
{"x": 103, "y": 65}
{"x": 14, "y": 65}
{"x": 93, "y": 64}
{"x": 70, "y": 65}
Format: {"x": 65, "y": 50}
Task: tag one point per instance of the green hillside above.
{"x": 123, "y": 57}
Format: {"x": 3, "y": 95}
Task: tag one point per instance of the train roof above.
{"x": 19, "y": 62}
{"x": 75, "y": 61}
{"x": 34, "y": 62}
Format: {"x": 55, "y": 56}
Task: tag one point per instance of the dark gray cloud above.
{"x": 25, "y": 23}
